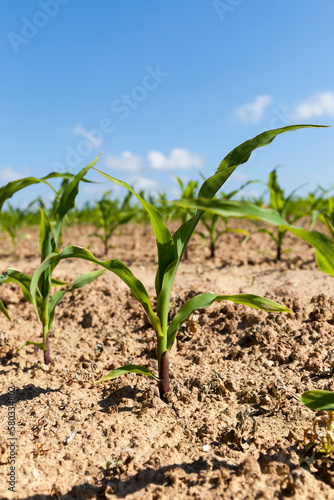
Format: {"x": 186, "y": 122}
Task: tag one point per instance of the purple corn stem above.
{"x": 164, "y": 374}
{"x": 47, "y": 356}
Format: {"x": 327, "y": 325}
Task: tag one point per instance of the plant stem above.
{"x": 164, "y": 374}
{"x": 212, "y": 249}
{"x": 47, "y": 356}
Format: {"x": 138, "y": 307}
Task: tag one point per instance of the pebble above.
{"x": 206, "y": 447}
{"x": 268, "y": 363}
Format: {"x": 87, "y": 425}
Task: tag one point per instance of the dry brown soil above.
{"x": 229, "y": 361}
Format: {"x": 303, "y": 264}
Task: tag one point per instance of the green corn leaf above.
{"x": 276, "y": 193}
{"x": 116, "y": 266}
{"x": 86, "y": 278}
{"x": 46, "y": 247}
{"x": 11, "y": 188}
{"x": 45, "y": 234}
{"x": 67, "y": 199}
{"x": 165, "y": 244}
{"x": 240, "y": 155}
{"x": 56, "y": 298}
{"x": 233, "y": 208}
{"x": 324, "y": 247}
{"x": 3, "y": 278}
{"x": 40, "y": 345}
{"x": 206, "y": 299}
{"x": 4, "y": 310}
{"x": 318, "y": 400}
{"x": 225, "y": 208}
{"x": 211, "y": 186}
{"x": 24, "y": 280}
{"x": 208, "y": 190}
{"x": 14, "y": 276}
{"x": 65, "y": 175}
{"x": 55, "y": 282}
{"x": 141, "y": 370}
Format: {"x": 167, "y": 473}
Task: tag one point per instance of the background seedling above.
{"x": 45, "y": 304}
{"x": 245, "y": 422}
{"x": 12, "y": 221}
{"x": 210, "y": 221}
{"x": 285, "y": 207}
{"x": 111, "y": 215}
{"x": 170, "y": 251}
{"x": 327, "y": 217}
{"x": 321, "y": 439}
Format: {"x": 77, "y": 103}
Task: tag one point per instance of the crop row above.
{"x": 281, "y": 214}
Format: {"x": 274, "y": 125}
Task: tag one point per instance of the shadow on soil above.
{"x": 112, "y": 485}
{"x": 26, "y": 394}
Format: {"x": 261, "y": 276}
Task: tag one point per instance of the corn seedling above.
{"x": 110, "y": 216}
{"x": 170, "y": 251}
{"x": 44, "y": 303}
{"x": 210, "y": 221}
{"x": 244, "y": 419}
{"x": 321, "y": 439}
{"x": 285, "y": 207}
{"x": 314, "y": 204}
{"x": 12, "y": 221}
{"x": 327, "y": 217}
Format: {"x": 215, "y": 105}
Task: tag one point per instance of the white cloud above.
{"x": 149, "y": 186}
{"x": 178, "y": 158}
{"x": 94, "y": 136}
{"x": 319, "y": 104}
{"x": 126, "y": 161}
{"x": 8, "y": 174}
{"x": 98, "y": 190}
{"x": 253, "y": 111}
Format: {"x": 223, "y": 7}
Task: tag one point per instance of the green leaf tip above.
{"x": 318, "y": 400}
{"x": 140, "y": 370}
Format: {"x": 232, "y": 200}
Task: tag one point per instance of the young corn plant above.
{"x": 210, "y": 221}
{"x": 44, "y": 302}
{"x": 327, "y": 217}
{"x": 285, "y": 207}
{"x": 313, "y": 204}
{"x": 170, "y": 251}
{"x": 110, "y": 216}
{"x": 315, "y": 437}
{"x": 8, "y": 191}
{"x": 12, "y": 221}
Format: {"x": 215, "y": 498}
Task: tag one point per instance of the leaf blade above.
{"x": 165, "y": 242}
{"x": 116, "y": 266}
{"x": 207, "y": 299}
{"x": 318, "y": 400}
{"x": 118, "y": 372}
{"x": 4, "y": 310}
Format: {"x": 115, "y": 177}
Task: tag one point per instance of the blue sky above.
{"x": 165, "y": 89}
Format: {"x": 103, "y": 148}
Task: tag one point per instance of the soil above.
{"x": 232, "y": 426}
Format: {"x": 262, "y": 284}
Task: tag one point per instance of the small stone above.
{"x": 206, "y": 447}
